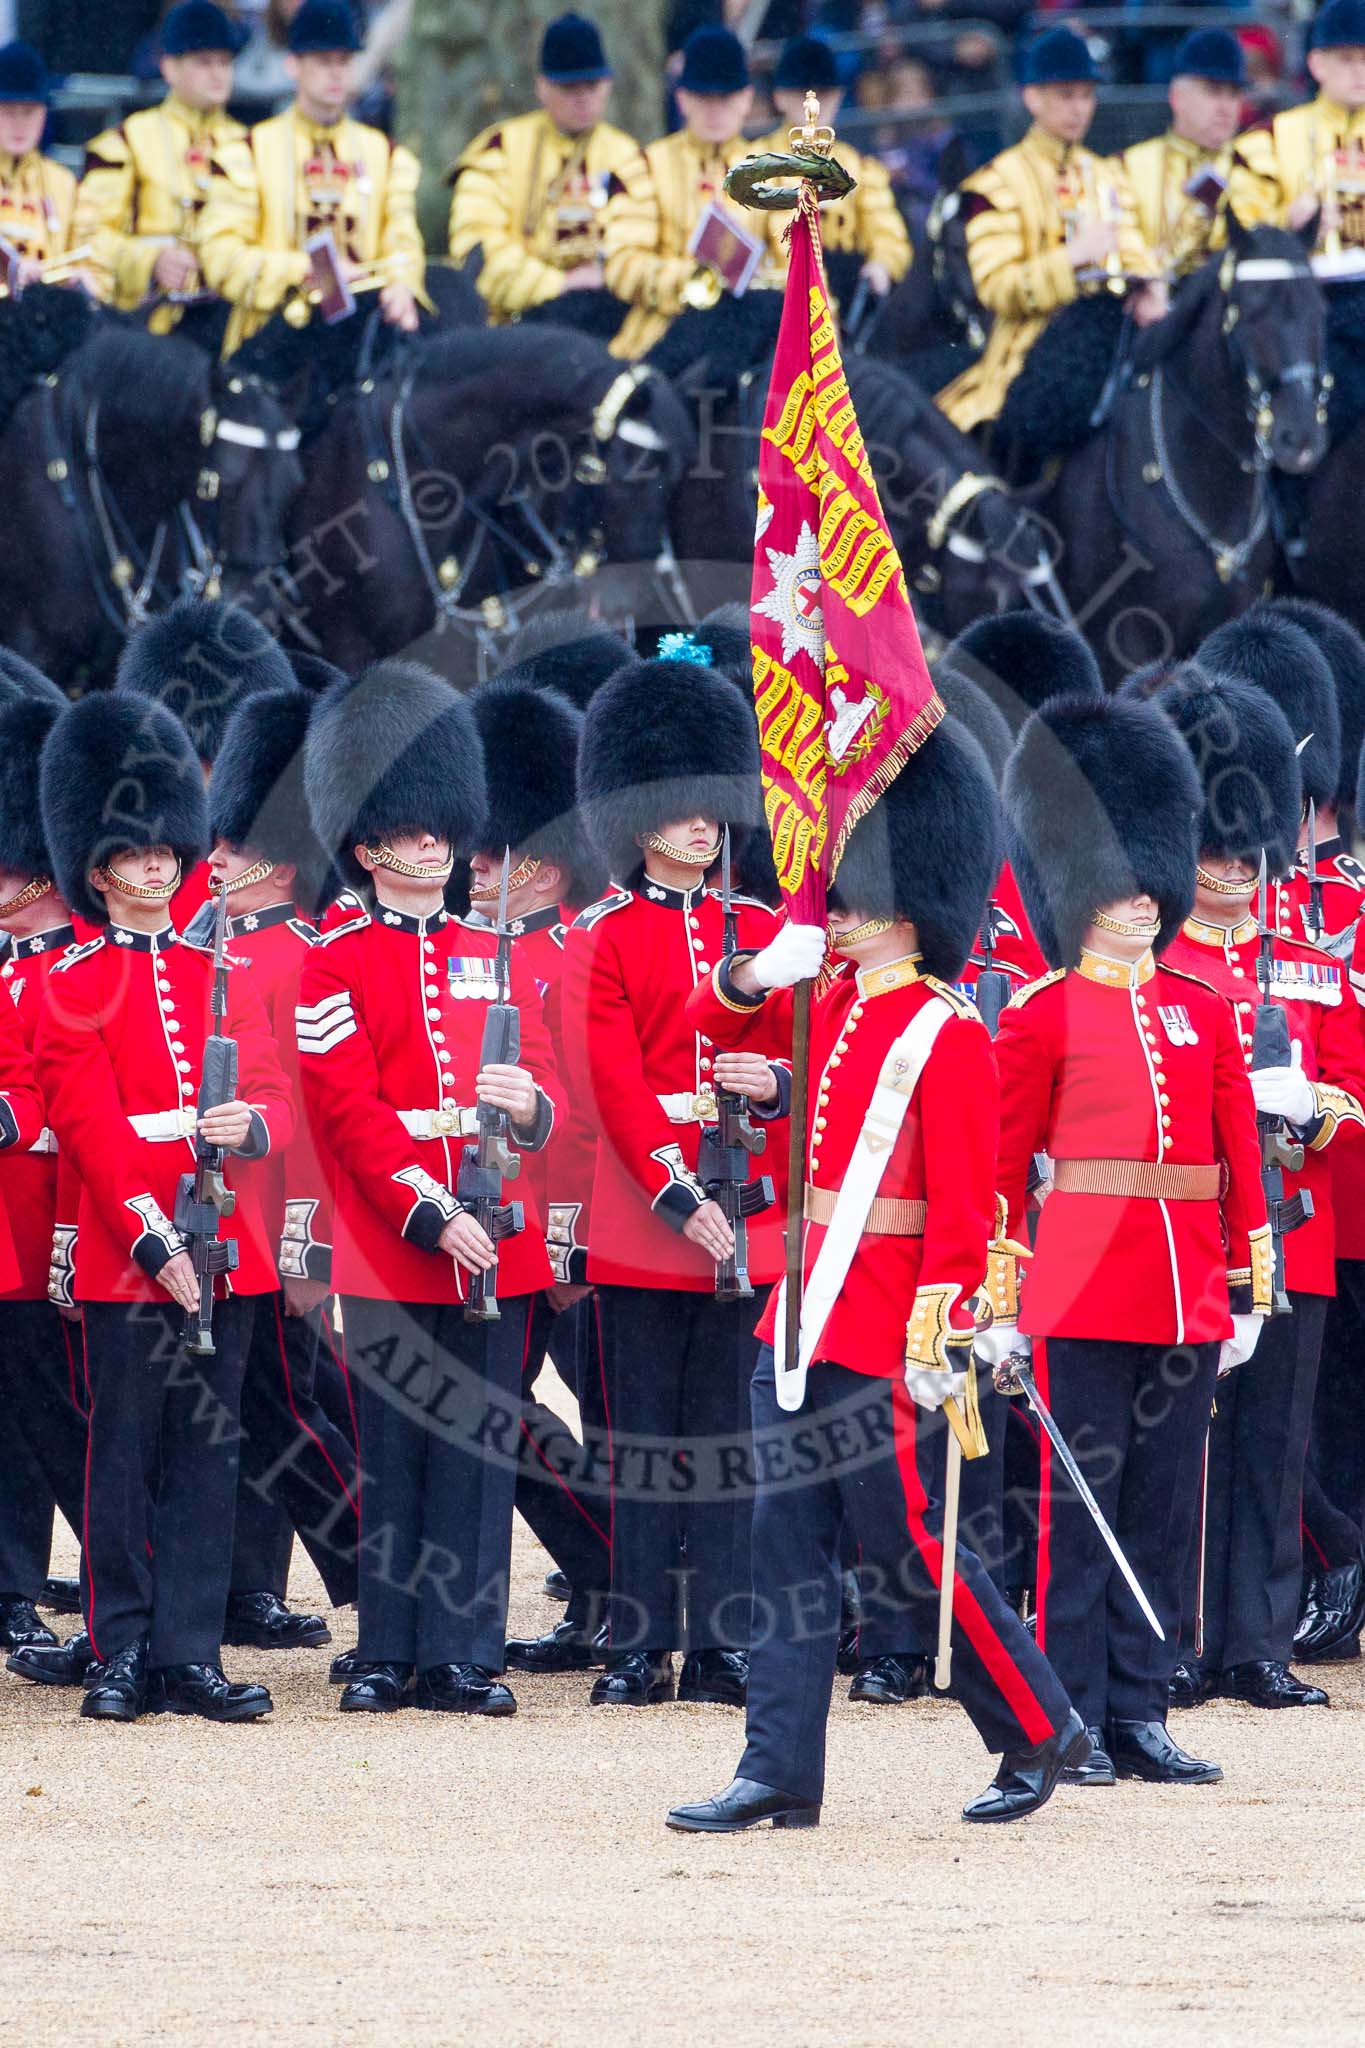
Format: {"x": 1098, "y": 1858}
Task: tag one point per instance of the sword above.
{"x": 1019, "y": 1369}
{"x": 1314, "y": 878}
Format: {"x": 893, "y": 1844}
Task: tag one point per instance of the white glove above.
{"x": 995, "y": 1344}
{"x": 929, "y": 1386}
{"x": 1285, "y": 1091}
{"x": 796, "y": 954}
{"x": 1237, "y": 1348}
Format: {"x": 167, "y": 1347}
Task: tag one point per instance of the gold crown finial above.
{"x": 811, "y": 139}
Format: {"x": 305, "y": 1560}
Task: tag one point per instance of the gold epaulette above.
{"x": 1031, "y": 988}
{"x": 963, "y": 1006}
{"x": 1183, "y": 974}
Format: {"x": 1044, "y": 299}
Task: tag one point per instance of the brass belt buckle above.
{"x": 705, "y": 1109}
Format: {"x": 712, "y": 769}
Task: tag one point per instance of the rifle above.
{"x": 1314, "y": 878}
{"x": 203, "y": 1198}
{"x": 992, "y": 987}
{"x": 728, "y": 1144}
{"x": 490, "y": 1160}
{"x": 1279, "y": 1152}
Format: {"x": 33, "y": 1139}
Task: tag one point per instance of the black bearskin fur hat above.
{"x": 312, "y": 672}
{"x": 665, "y": 740}
{"x": 530, "y": 749}
{"x": 118, "y": 773}
{"x": 200, "y": 659}
{"x": 256, "y": 797}
{"x": 929, "y": 849}
{"x": 1101, "y": 801}
{"x": 1243, "y": 753}
{"x": 566, "y": 651}
{"x": 1344, "y": 649}
{"x": 19, "y": 678}
{"x": 968, "y": 703}
{"x": 395, "y": 751}
{"x": 727, "y": 633}
{"x": 1020, "y": 659}
{"x": 25, "y": 723}
{"x": 1279, "y": 658}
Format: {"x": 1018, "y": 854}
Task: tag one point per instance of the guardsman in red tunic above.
{"x": 669, "y": 757}
{"x": 119, "y": 1048}
{"x": 900, "y": 1203}
{"x": 563, "y": 1486}
{"x": 391, "y": 1027}
{"x": 199, "y": 659}
{"x": 43, "y": 1442}
{"x": 1130, "y": 1077}
{"x": 298, "y": 1470}
{"x": 1244, "y": 751}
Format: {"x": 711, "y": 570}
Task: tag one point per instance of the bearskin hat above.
{"x": 968, "y": 703}
{"x": 19, "y": 678}
{"x": 726, "y": 631}
{"x": 118, "y": 773}
{"x": 256, "y": 796}
{"x": 395, "y": 751}
{"x": 1337, "y": 640}
{"x": 566, "y": 651}
{"x": 665, "y": 740}
{"x": 1101, "y": 801}
{"x": 1243, "y": 753}
{"x": 929, "y": 850}
{"x": 530, "y": 749}
{"x": 199, "y": 659}
{"x": 1279, "y": 658}
{"x": 25, "y": 723}
{"x": 1020, "y": 659}
{"x": 312, "y": 672}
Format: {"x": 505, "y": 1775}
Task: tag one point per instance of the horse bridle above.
{"x": 1260, "y": 394}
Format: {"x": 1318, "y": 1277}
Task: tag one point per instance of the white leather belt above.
{"x": 46, "y": 1141}
{"x": 164, "y": 1126}
{"x": 440, "y": 1123}
{"x": 686, "y": 1108}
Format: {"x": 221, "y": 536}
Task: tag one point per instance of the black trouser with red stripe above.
{"x": 42, "y": 1439}
{"x": 1257, "y": 1446}
{"x": 438, "y": 1401}
{"x": 564, "y": 1486}
{"x": 678, "y": 1366}
{"x": 1135, "y": 1418}
{"x": 161, "y": 1478}
{"x": 860, "y": 1448}
{"x": 297, "y": 1469}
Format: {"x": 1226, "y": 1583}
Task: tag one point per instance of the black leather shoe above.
{"x": 1190, "y": 1686}
{"x": 19, "y": 1624}
{"x": 1267, "y": 1684}
{"x": 715, "y": 1678}
{"x": 463, "y": 1689}
{"x": 890, "y": 1681}
{"x": 562, "y": 1648}
{"x": 203, "y": 1690}
{"x": 1027, "y": 1778}
{"x": 642, "y": 1678}
{"x": 377, "y": 1689}
{"x": 54, "y": 1663}
{"x": 1098, "y": 1768}
{"x": 346, "y": 1665}
{"x": 1143, "y": 1749}
{"x": 556, "y": 1587}
{"x": 745, "y": 1804}
{"x": 261, "y": 1621}
{"x": 120, "y": 1691}
{"x": 1329, "y": 1632}
{"x": 61, "y": 1596}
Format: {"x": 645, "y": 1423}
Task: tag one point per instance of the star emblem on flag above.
{"x": 793, "y": 603}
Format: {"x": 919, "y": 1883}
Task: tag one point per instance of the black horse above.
{"x": 137, "y": 468}
{"x": 1165, "y": 520}
{"x": 930, "y": 324}
{"x": 966, "y": 547}
{"x": 474, "y": 477}
{"x": 1328, "y": 566}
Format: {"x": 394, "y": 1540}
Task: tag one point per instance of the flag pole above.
{"x": 796, "y": 1169}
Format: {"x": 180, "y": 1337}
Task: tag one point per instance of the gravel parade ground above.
{"x": 422, "y": 1878}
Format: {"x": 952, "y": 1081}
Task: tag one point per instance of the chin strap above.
{"x": 1217, "y": 888}
{"x": 682, "y": 854}
{"x": 525, "y": 871}
{"x": 384, "y": 856}
{"x": 30, "y": 893}
{"x": 141, "y": 892}
{"x": 248, "y": 878}
{"x": 1125, "y": 931}
{"x": 870, "y": 928}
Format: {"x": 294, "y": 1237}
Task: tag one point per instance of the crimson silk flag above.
{"x": 840, "y": 683}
